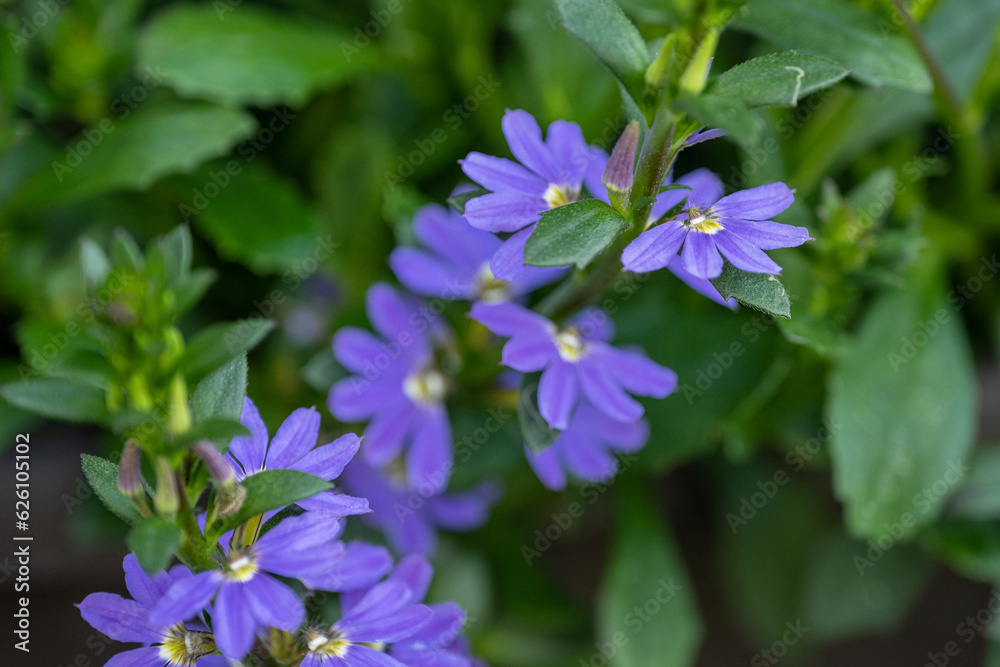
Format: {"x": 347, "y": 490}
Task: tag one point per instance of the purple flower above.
{"x": 293, "y": 448}
{"x": 704, "y": 186}
{"x": 173, "y": 645}
{"x": 572, "y": 358}
{"x": 736, "y": 226}
{"x": 439, "y": 641}
{"x": 397, "y": 387}
{"x": 548, "y": 174}
{"x": 247, "y": 598}
{"x": 385, "y": 614}
{"x": 408, "y": 518}
{"x": 587, "y": 448}
{"x": 456, "y": 262}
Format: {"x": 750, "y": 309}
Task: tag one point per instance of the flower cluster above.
{"x": 256, "y": 594}
{"x": 400, "y": 378}
{"x": 578, "y": 387}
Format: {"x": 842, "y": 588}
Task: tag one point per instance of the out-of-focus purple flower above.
{"x": 173, "y": 645}
{"x": 455, "y": 263}
{"x": 248, "y": 598}
{"x": 587, "y": 448}
{"x": 409, "y": 518}
{"x": 575, "y": 359}
{"x": 396, "y": 388}
{"x": 736, "y": 226}
{"x": 386, "y": 614}
{"x": 547, "y": 174}
{"x": 439, "y": 641}
{"x": 294, "y": 448}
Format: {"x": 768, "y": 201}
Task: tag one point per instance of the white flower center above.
{"x": 570, "y": 345}
{"x": 488, "y": 288}
{"x": 318, "y": 642}
{"x": 242, "y": 567}
{"x": 427, "y": 387}
{"x": 702, "y": 221}
{"x": 558, "y": 195}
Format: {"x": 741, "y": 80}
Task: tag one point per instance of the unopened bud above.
{"x": 694, "y": 77}
{"x": 656, "y": 73}
{"x": 230, "y": 495}
{"x": 618, "y": 173}
{"x": 179, "y": 420}
{"x": 218, "y": 467}
{"x": 130, "y": 472}
{"x": 166, "y": 500}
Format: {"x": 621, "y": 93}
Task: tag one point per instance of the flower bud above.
{"x": 656, "y": 73}
{"x": 179, "y": 419}
{"x": 230, "y": 495}
{"x": 218, "y": 467}
{"x": 618, "y": 173}
{"x": 694, "y": 77}
{"x": 166, "y": 500}
{"x": 130, "y": 472}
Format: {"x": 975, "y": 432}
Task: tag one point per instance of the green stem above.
{"x": 972, "y": 157}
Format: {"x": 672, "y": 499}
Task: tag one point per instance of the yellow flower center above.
{"x": 558, "y": 195}
{"x": 186, "y": 647}
{"x": 488, "y": 288}
{"x": 570, "y": 345}
{"x": 702, "y": 221}
{"x": 242, "y": 566}
{"x": 427, "y": 387}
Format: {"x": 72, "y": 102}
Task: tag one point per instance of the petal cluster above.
{"x": 737, "y": 227}
{"x": 576, "y": 362}
{"x": 454, "y": 262}
{"x": 548, "y": 173}
{"x": 396, "y": 387}
{"x": 410, "y": 518}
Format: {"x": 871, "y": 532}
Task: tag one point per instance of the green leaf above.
{"x": 778, "y": 79}
{"x": 58, "y": 398}
{"x": 535, "y": 430}
{"x": 757, "y": 290}
{"x": 971, "y": 548}
{"x": 573, "y": 234}
{"x": 844, "y": 33}
{"x": 215, "y": 345}
{"x": 274, "y": 489}
{"x": 155, "y": 140}
{"x": 979, "y": 497}
{"x": 849, "y": 594}
{"x": 177, "y": 251}
{"x": 94, "y": 262}
{"x": 220, "y": 394}
{"x": 247, "y": 55}
{"x": 125, "y": 251}
{"x": 741, "y": 125}
{"x": 459, "y": 201}
{"x": 240, "y": 219}
{"x": 646, "y": 571}
{"x": 103, "y": 478}
{"x": 902, "y": 400}
{"x": 154, "y": 542}
{"x": 611, "y": 37}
